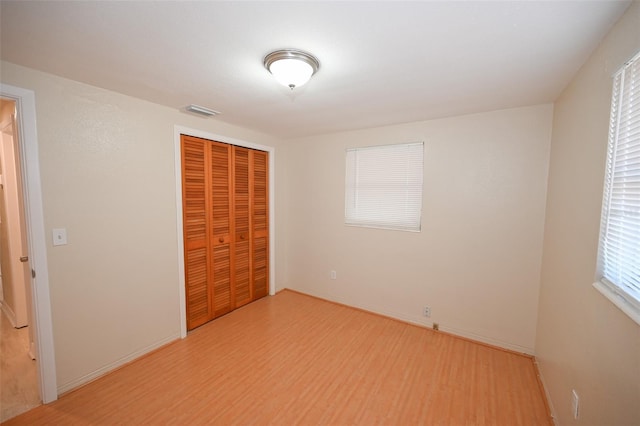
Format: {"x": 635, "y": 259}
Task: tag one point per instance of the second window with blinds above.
{"x": 619, "y": 250}
{"x": 383, "y": 186}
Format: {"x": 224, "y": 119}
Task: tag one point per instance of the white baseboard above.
{"x": 547, "y": 395}
{"x": 11, "y": 316}
{"x": 487, "y": 340}
{"x": 66, "y": 387}
{"x": 424, "y": 323}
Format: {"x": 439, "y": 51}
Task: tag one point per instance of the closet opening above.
{"x": 225, "y": 227}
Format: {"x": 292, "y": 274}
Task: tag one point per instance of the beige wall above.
{"x": 584, "y": 342}
{"x": 476, "y": 262}
{"x": 107, "y": 167}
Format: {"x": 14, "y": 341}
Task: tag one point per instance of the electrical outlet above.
{"x": 575, "y": 403}
{"x": 333, "y": 275}
{"x": 427, "y": 311}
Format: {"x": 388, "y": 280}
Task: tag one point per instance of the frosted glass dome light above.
{"x": 292, "y": 68}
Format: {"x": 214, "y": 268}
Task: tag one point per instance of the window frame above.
{"x": 408, "y": 222}
{"x": 624, "y": 296}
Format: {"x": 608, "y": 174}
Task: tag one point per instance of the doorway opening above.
{"x": 33, "y": 258}
{"x": 18, "y": 367}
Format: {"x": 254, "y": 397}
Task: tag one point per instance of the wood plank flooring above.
{"x": 18, "y": 376}
{"x": 293, "y": 359}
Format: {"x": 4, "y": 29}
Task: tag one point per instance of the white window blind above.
{"x": 619, "y": 251}
{"x": 383, "y": 187}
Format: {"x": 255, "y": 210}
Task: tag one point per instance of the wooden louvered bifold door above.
{"x": 260, "y": 224}
{"x": 195, "y": 182}
{"x": 226, "y": 235}
{"x": 220, "y": 215}
{"x": 242, "y": 255}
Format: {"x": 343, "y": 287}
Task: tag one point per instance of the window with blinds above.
{"x": 383, "y": 187}
{"x": 619, "y": 250}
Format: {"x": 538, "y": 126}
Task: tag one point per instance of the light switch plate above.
{"x": 59, "y": 236}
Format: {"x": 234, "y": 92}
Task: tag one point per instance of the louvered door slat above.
{"x": 197, "y": 290}
{"x": 220, "y": 215}
{"x": 194, "y": 184}
{"x": 260, "y": 224}
{"x": 241, "y": 220}
{"x": 194, "y": 194}
{"x": 222, "y": 282}
{"x": 243, "y": 294}
{"x": 260, "y": 267}
{"x": 221, "y": 227}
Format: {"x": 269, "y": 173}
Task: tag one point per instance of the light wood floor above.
{"x": 293, "y": 359}
{"x": 18, "y": 378}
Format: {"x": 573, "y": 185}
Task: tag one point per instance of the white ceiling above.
{"x": 380, "y": 62}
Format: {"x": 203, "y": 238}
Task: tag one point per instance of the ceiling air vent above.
{"x": 200, "y": 110}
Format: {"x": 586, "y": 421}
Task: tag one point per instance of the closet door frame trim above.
{"x": 177, "y": 132}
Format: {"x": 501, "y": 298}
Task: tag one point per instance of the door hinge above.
{"x": 33, "y": 273}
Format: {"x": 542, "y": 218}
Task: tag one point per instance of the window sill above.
{"x": 618, "y": 300}
{"x": 385, "y": 227}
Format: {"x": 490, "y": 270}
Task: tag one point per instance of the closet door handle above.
{"x": 24, "y": 259}
{"x": 221, "y": 240}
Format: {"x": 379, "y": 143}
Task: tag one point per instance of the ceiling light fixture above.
{"x": 291, "y": 67}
